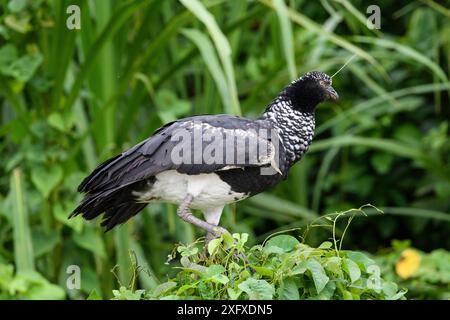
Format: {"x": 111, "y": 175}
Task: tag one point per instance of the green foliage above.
{"x": 282, "y": 268}
{"x": 430, "y": 279}
{"x": 26, "y": 285}
{"x": 70, "y": 99}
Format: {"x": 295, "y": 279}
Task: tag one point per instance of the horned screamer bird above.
{"x": 205, "y": 162}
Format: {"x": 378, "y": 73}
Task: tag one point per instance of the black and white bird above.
{"x": 205, "y": 173}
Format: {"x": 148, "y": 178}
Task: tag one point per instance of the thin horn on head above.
{"x": 345, "y": 64}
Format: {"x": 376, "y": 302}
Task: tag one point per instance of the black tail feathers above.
{"x": 118, "y": 204}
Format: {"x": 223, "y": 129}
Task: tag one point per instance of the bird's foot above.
{"x": 214, "y": 233}
{"x": 240, "y": 256}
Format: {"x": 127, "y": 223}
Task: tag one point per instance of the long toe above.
{"x": 218, "y": 231}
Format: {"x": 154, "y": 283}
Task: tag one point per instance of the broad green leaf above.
{"x": 216, "y": 273}
{"x": 390, "y": 289}
{"x": 300, "y": 268}
{"x": 257, "y": 289}
{"x": 352, "y": 269}
{"x": 327, "y": 292}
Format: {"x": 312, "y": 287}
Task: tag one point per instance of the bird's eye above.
{"x": 322, "y": 83}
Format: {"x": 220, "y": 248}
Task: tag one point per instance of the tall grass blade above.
{"x": 405, "y": 52}
{"x": 276, "y": 204}
{"x": 23, "y": 248}
{"x": 119, "y": 17}
{"x": 286, "y": 36}
{"x": 339, "y": 41}
{"x": 212, "y": 63}
{"x": 387, "y": 145}
{"x": 371, "y": 103}
{"x": 222, "y": 46}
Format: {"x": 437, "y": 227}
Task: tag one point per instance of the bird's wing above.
{"x": 192, "y": 146}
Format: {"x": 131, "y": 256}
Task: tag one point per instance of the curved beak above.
{"x": 332, "y": 94}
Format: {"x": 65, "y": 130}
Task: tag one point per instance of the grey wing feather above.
{"x": 158, "y": 153}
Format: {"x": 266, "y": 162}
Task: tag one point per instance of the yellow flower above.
{"x": 408, "y": 263}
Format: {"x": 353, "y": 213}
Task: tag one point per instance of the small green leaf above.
{"x": 213, "y": 245}
{"x": 263, "y": 271}
{"x": 214, "y": 270}
{"x": 234, "y": 293}
{"x": 333, "y": 264}
{"x": 46, "y": 179}
{"x": 187, "y": 251}
{"x": 56, "y": 121}
{"x": 325, "y": 245}
{"x": 285, "y": 242}
{"x": 216, "y": 273}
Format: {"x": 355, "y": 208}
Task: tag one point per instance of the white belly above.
{"x": 207, "y": 189}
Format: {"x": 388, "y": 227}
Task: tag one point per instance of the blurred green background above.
{"x": 72, "y": 98}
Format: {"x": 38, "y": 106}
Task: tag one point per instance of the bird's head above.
{"x": 309, "y": 90}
